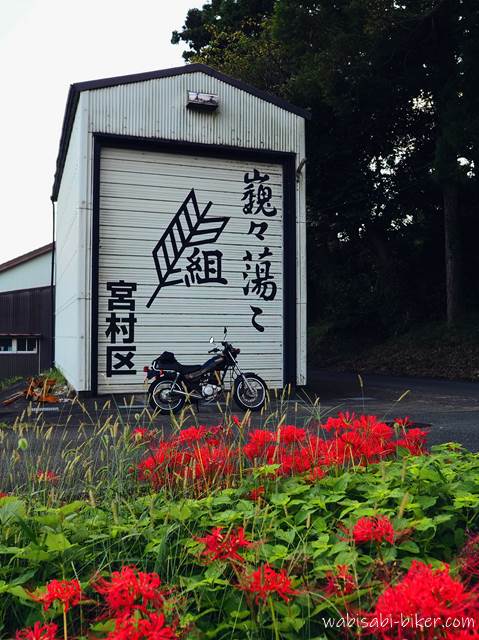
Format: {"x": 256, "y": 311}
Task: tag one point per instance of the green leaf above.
{"x": 57, "y": 542}
{"x": 287, "y": 536}
{"x": 280, "y": 499}
{"x": 215, "y": 570}
{"x": 179, "y": 512}
{"x": 410, "y": 546}
{"x": 11, "y": 508}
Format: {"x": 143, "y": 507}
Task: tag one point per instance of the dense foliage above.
{"x": 225, "y": 532}
{"x": 392, "y": 145}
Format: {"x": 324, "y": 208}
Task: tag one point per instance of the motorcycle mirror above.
{"x": 212, "y": 340}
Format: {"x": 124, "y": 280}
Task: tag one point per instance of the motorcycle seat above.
{"x": 187, "y": 368}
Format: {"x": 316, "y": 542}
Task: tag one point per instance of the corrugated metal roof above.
{"x": 76, "y": 89}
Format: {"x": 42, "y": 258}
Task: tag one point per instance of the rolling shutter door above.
{"x": 187, "y": 245}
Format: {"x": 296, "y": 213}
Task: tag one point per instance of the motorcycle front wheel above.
{"x": 250, "y": 394}
{"x": 162, "y": 398}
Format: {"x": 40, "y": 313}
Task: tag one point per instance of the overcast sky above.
{"x": 46, "y": 45}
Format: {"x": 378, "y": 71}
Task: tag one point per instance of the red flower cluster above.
{"x": 39, "y": 631}
{"x": 414, "y": 440}
{"x": 424, "y": 593}
{"x": 68, "y": 592}
{"x": 284, "y": 447}
{"x": 48, "y": 476}
{"x": 265, "y": 581}
{"x": 130, "y": 590}
{"x": 374, "y": 529}
{"x": 340, "y": 582}
{"x": 196, "y": 455}
{"x": 346, "y": 439}
{"x": 3, "y": 495}
{"x": 152, "y": 627}
{"x": 200, "y": 455}
{"x": 220, "y": 546}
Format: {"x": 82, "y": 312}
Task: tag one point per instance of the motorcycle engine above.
{"x": 210, "y": 391}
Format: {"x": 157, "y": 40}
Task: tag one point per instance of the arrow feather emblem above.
{"x": 189, "y": 228}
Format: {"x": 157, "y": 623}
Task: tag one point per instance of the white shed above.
{"x": 180, "y": 210}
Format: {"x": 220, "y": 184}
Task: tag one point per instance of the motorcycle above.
{"x": 171, "y": 384}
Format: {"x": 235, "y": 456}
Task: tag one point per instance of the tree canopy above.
{"x": 392, "y": 146}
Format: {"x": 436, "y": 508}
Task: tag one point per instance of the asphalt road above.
{"x": 451, "y": 408}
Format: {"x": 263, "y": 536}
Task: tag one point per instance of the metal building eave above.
{"x": 76, "y": 89}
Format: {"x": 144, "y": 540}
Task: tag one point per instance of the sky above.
{"x": 46, "y": 45}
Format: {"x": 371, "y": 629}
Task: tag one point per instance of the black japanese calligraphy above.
{"x": 259, "y": 280}
{"x": 120, "y": 329}
{"x": 257, "y": 197}
{"x": 124, "y": 326}
{"x": 258, "y": 229}
{"x": 121, "y": 295}
{"x": 124, "y": 360}
{"x": 256, "y": 312}
{"x": 204, "y": 268}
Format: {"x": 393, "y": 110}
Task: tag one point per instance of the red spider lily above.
{"x": 48, "y": 476}
{"x": 257, "y": 493}
{"x": 289, "y": 434}
{"x": 414, "y": 440}
{"x": 195, "y": 455}
{"x": 68, "y": 592}
{"x": 343, "y": 421}
{"x": 236, "y": 421}
{"x": 129, "y": 590}
{"x": 265, "y": 581}
{"x": 150, "y": 628}
{"x": 196, "y": 434}
{"x": 3, "y": 495}
{"x": 373, "y": 529}
{"x": 220, "y": 546}
{"x": 39, "y": 631}
{"x": 259, "y": 442}
{"x": 340, "y": 582}
{"x": 424, "y": 593}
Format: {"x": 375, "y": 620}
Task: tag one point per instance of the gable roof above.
{"x": 26, "y": 257}
{"x": 76, "y": 89}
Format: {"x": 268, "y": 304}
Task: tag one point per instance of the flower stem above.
{"x": 273, "y": 617}
{"x": 65, "y": 632}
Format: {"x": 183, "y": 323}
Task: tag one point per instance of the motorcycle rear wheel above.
{"x": 162, "y": 400}
{"x": 251, "y": 397}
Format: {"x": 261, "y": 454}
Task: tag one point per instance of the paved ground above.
{"x": 452, "y": 408}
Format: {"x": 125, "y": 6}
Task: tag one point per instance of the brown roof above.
{"x": 26, "y": 257}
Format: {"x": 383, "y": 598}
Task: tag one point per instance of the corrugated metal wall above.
{"x": 157, "y": 109}
{"x": 26, "y": 312}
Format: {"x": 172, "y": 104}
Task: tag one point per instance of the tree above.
{"x": 394, "y": 138}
